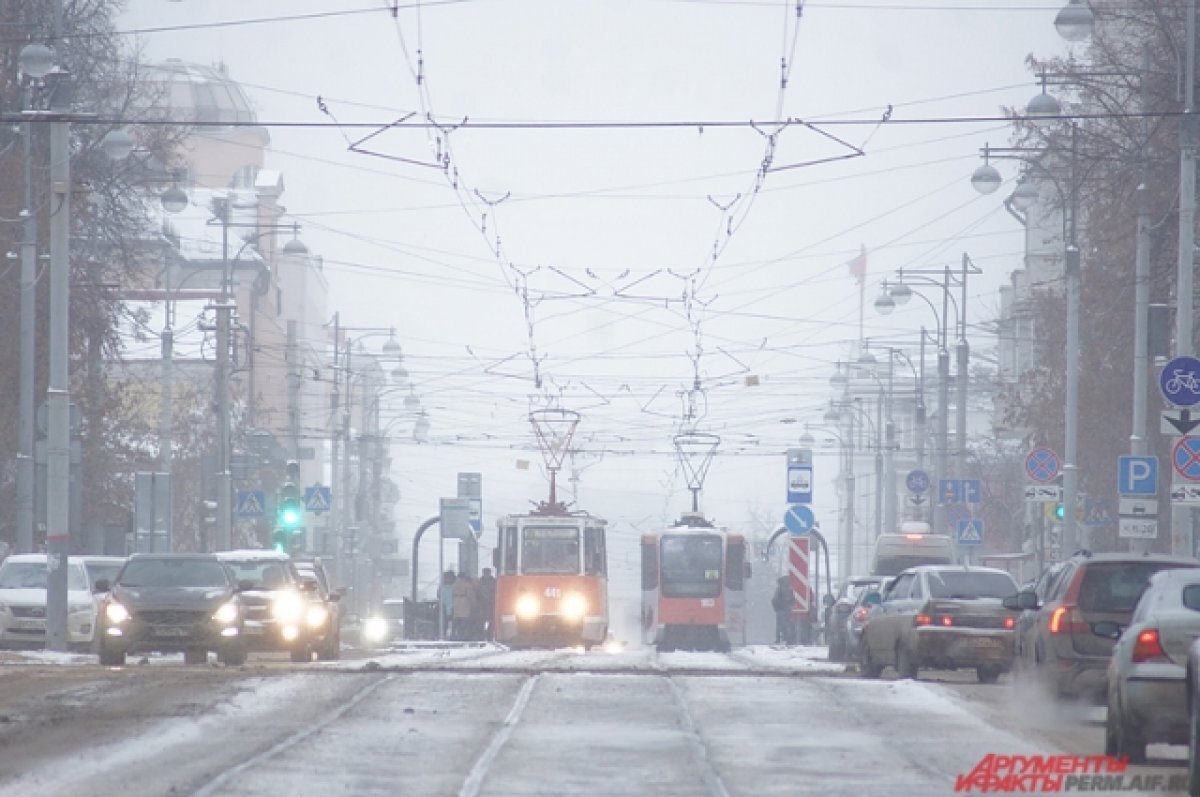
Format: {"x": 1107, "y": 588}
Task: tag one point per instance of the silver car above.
{"x": 1147, "y": 690}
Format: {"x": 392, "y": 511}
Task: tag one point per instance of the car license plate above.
{"x": 983, "y": 642}
{"x": 171, "y": 630}
{"x": 32, "y": 624}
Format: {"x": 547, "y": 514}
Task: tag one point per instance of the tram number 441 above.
{"x": 552, "y": 592}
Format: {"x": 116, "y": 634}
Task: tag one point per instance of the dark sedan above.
{"x": 172, "y": 603}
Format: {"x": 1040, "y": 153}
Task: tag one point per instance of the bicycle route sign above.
{"x": 1042, "y": 464}
{"x": 1180, "y": 381}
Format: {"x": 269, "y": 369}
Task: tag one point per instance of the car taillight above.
{"x": 922, "y": 619}
{"x": 1068, "y": 620}
{"x": 1148, "y": 647}
{"x": 860, "y": 614}
{"x": 946, "y": 619}
{"x": 1010, "y": 623}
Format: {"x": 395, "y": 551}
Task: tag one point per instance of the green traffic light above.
{"x": 1060, "y": 511}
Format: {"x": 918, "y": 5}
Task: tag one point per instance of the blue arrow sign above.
{"x": 799, "y": 520}
{"x": 1179, "y": 381}
{"x": 971, "y": 491}
{"x": 950, "y": 491}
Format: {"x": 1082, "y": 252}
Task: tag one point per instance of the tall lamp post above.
{"x": 909, "y": 282}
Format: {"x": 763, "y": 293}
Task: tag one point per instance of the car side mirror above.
{"x": 827, "y": 600}
{"x": 872, "y": 598}
{"x": 101, "y": 585}
{"x": 1107, "y": 629}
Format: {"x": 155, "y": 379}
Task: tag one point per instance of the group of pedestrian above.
{"x": 468, "y": 605}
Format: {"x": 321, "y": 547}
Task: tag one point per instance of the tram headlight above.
{"x": 528, "y": 606}
{"x": 573, "y": 606}
{"x": 375, "y": 629}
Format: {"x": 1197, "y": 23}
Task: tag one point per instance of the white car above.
{"x": 23, "y": 602}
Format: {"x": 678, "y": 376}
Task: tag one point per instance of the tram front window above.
{"x": 691, "y": 566}
{"x": 552, "y": 550}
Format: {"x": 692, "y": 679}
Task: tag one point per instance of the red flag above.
{"x": 858, "y": 266}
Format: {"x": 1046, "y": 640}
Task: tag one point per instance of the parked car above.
{"x": 276, "y": 603}
{"x": 1060, "y": 648}
{"x": 324, "y": 615}
{"x": 837, "y": 615}
{"x": 172, "y": 603}
{"x": 944, "y": 617}
{"x": 23, "y": 603}
{"x": 1147, "y": 694}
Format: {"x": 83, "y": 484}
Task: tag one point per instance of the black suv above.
{"x": 172, "y": 603}
{"x": 324, "y": 616}
{"x": 275, "y": 602}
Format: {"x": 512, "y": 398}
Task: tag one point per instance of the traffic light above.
{"x": 1060, "y": 511}
{"x": 290, "y": 515}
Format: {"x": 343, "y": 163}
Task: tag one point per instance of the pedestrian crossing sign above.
{"x": 317, "y": 499}
{"x": 251, "y": 503}
{"x": 970, "y": 531}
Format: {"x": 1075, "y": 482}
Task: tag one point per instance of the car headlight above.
{"x": 317, "y": 615}
{"x": 227, "y": 614}
{"x": 573, "y": 606}
{"x": 288, "y": 607}
{"x": 375, "y": 629}
{"x": 528, "y": 606}
{"x": 116, "y": 613}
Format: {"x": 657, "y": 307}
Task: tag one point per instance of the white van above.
{"x": 911, "y": 546}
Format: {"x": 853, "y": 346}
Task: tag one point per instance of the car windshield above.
{"x": 103, "y": 570}
{"x": 1116, "y": 586}
{"x": 173, "y": 573}
{"x": 691, "y": 565}
{"x": 550, "y": 549}
{"x": 261, "y": 573}
{"x": 32, "y": 575}
{"x": 969, "y": 585}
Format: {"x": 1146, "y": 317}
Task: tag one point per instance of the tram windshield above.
{"x": 551, "y": 550}
{"x": 691, "y": 566}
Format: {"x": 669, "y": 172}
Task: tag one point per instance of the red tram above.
{"x": 694, "y": 587}
{"x": 551, "y": 564}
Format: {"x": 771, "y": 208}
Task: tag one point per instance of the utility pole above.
{"x": 1138, "y": 443}
{"x": 25, "y": 464}
{"x": 58, "y": 396}
{"x": 1182, "y": 519}
{"x": 224, "y": 310}
{"x": 338, "y": 510}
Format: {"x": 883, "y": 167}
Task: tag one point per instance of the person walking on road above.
{"x": 487, "y": 603}
{"x": 464, "y": 607}
{"x": 782, "y": 602}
